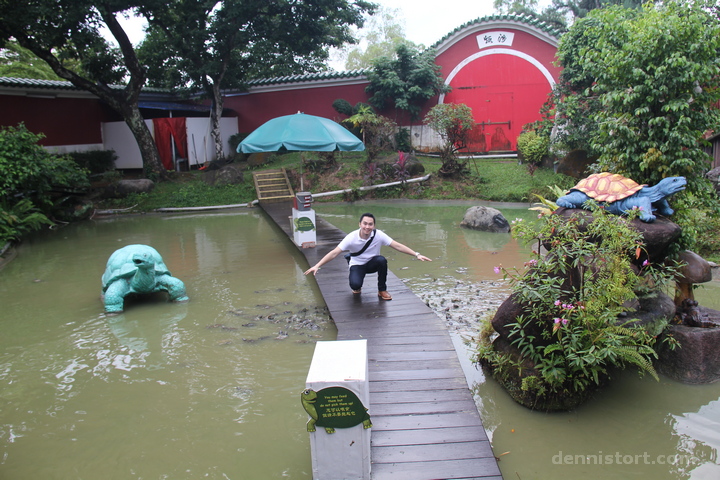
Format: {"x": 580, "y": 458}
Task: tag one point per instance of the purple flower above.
{"x": 497, "y": 270}
{"x": 564, "y": 321}
{"x": 557, "y": 303}
{"x": 645, "y": 263}
{"x": 556, "y": 320}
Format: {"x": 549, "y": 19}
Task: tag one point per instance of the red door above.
{"x": 504, "y": 92}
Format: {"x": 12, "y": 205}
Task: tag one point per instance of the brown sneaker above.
{"x": 384, "y": 295}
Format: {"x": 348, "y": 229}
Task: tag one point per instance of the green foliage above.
{"x": 407, "y": 82}
{"x": 402, "y": 140}
{"x": 343, "y": 107}
{"x": 379, "y": 38}
{"x": 641, "y": 87}
{"x": 376, "y": 130}
{"x": 19, "y": 62}
{"x": 18, "y": 219}
{"x": 570, "y": 330}
{"x": 29, "y": 176}
{"x": 95, "y": 161}
{"x": 532, "y": 146}
{"x": 453, "y": 122}
{"x": 29, "y": 171}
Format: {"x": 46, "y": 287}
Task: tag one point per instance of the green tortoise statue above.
{"x": 618, "y": 194}
{"x": 137, "y": 269}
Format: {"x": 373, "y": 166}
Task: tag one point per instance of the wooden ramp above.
{"x": 425, "y": 422}
{"x": 273, "y": 186}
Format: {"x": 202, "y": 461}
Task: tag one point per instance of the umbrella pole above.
{"x": 302, "y": 161}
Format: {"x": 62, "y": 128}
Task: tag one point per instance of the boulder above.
{"x": 227, "y": 175}
{"x": 575, "y": 164}
{"x": 124, "y": 188}
{"x": 657, "y": 235}
{"x": 714, "y": 177}
{"x": 696, "y": 359}
{"x": 486, "y": 219}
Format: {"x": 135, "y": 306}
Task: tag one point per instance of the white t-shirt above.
{"x": 353, "y": 243}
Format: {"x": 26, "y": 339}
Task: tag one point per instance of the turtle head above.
{"x": 308, "y": 396}
{"x": 671, "y": 185}
{"x": 143, "y": 261}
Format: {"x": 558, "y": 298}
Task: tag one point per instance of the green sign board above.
{"x": 334, "y": 407}
{"x": 304, "y": 224}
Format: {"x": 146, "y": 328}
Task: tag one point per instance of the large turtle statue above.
{"x": 618, "y": 194}
{"x": 137, "y": 269}
{"x": 334, "y": 407}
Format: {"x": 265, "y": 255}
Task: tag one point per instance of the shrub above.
{"x": 95, "y": 161}
{"x": 569, "y": 332}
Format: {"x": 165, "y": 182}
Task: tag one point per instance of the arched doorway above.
{"x": 505, "y": 89}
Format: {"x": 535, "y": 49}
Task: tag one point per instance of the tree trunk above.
{"x": 215, "y": 115}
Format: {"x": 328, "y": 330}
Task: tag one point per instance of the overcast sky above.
{"x": 425, "y": 21}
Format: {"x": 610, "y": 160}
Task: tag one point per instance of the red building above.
{"x": 500, "y": 66}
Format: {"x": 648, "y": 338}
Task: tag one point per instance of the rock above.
{"x": 415, "y": 168}
{"x": 257, "y": 159}
{"x": 696, "y": 360}
{"x": 657, "y": 235}
{"x": 575, "y": 164}
{"x": 486, "y": 219}
{"x": 714, "y": 176}
{"x": 227, "y": 175}
{"x": 140, "y": 185}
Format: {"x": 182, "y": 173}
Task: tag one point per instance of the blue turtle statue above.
{"x": 618, "y": 194}
{"x": 137, "y": 269}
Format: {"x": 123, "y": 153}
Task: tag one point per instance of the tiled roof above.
{"x": 524, "y": 18}
{"x": 60, "y": 85}
{"x": 310, "y": 77}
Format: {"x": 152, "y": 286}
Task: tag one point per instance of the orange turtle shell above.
{"x": 607, "y": 187}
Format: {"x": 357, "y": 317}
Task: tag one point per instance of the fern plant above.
{"x": 572, "y": 298}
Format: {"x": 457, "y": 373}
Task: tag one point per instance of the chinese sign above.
{"x": 334, "y": 407}
{"x": 495, "y": 39}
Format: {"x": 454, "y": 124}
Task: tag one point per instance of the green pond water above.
{"x": 210, "y": 388}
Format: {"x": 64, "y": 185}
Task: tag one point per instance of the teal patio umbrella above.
{"x": 300, "y": 132}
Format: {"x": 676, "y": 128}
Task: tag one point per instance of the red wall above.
{"x": 63, "y": 121}
{"x": 255, "y": 109}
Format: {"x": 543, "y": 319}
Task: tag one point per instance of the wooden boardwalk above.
{"x": 425, "y": 422}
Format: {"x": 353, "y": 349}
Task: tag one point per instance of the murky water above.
{"x": 209, "y": 389}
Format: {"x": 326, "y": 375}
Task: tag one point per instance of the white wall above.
{"x": 117, "y": 136}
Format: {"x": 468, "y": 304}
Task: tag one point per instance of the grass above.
{"x": 493, "y": 179}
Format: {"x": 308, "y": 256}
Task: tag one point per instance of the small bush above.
{"x": 95, "y": 161}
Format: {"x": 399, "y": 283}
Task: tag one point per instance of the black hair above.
{"x": 367, "y": 215}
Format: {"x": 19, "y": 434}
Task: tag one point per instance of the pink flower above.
{"x": 496, "y": 270}
{"x": 564, "y": 321}
{"x": 557, "y": 303}
{"x": 645, "y": 263}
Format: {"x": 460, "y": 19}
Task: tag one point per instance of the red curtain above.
{"x": 164, "y": 129}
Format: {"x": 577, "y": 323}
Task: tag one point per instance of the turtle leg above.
{"x": 174, "y": 286}
{"x": 645, "y": 206}
{"x": 367, "y": 423}
{"x": 114, "y": 296}
{"x": 663, "y": 207}
{"x": 311, "y": 425}
{"x": 572, "y": 200}
{"x": 329, "y": 430}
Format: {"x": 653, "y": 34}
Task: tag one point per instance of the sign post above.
{"x": 303, "y": 221}
{"x": 336, "y": 398}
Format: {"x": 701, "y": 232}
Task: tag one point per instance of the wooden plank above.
{"x": 428, "y": 453}
{"x": 425, "y": 422}
{"x": 484, "y": 468}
